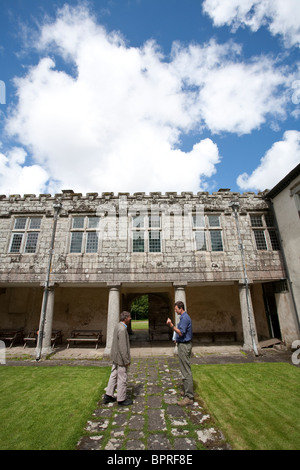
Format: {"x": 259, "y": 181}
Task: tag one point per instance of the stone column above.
{"x": 113, "y": 316}
{"x": 2, "y": 353}
{"x": 179, "y": 296}
{"x": 48, "y": 299}
{"x": 287, "y": 317}
{"x": 248, "y": 322}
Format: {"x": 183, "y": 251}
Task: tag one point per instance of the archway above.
{"x": 139, "y": 309}
{"x": 152, "y": 311}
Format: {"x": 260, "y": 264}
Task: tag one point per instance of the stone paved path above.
{"x": 154, "y": 421}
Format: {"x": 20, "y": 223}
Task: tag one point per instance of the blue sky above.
{"x": 148, "y": 95}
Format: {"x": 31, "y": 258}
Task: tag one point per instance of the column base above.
{"x": 44, "y": 352}
{"x": 106, "y": 354}
{"x": 248, "y": 348}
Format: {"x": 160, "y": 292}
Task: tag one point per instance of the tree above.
{"x": 140, "y": 308}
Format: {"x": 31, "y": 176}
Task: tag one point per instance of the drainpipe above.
{"x": 235, "y": 206}
{"x": 57, "y": 207}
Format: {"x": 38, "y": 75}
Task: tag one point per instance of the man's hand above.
{"x": 170, "y": 324}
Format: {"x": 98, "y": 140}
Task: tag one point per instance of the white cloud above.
{"x": 278, "y": 161}
{"x": 239, "y": 97}
{"x": 280, "y": 16}
{"x": 114, "y": 123}
{"x": 14, "y": 174}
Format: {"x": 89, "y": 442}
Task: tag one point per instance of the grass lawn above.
{"x": 47, "y": 407}
{"x": 140, "y": 324}
{"x": 255, "y": 405}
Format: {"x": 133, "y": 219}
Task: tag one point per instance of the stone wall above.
{"x": 89, "y": 288}
{"x": 115, "y": 262}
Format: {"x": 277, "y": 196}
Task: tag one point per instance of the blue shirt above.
{"x": 185, "y": 327}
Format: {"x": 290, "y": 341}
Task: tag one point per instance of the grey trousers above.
{"x": 118, "y": 378}
{"x": 184, "y": 356}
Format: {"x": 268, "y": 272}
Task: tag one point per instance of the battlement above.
{"x": 68, "y": 194}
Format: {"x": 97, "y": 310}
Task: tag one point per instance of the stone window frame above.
{"x": 295, "y": 194}
{"x": 265, "y": 235}
{"x": 144, "y": 227}
{"x": 207, "y": 229}
{"x": 84, "y": 230}
{"x": 25, "y": 231}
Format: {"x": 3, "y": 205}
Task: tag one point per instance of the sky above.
{"x": 148, "y": 95}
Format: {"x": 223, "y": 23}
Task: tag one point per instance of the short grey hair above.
{"x": 124, "y": 315}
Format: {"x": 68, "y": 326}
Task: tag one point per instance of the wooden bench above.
{"x": 92, "y": 336}
{"x": 13, "y": 335}
{"x": 56, "y": 336}
{"x": 160, "y": 335}
{"x": 216, "y": 334}
{"x": 32, "y": 337}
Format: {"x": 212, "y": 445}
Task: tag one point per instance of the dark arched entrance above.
{"x": 159, "y": 309}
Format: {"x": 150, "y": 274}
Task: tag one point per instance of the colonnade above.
{"x": 113, "y": 313}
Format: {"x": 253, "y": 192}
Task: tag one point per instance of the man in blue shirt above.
{"x": 183, "y": 339}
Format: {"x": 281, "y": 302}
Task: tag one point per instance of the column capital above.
{"x": 51, "y": 285}
{"x": 181, "y": 285}
{"x": 114, "y": 285}
{"x": 242, "y": 283}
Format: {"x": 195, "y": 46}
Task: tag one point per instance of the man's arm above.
{"x": 170, "y": 324}
{"x": 123, "y": 347}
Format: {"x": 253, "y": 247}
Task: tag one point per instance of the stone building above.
{"x": 285, "y": 199}
{"x": 219, "y": 253}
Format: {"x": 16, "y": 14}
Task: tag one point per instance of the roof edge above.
{"x": 283, "y": 183}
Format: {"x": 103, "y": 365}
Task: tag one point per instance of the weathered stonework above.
{"x": 115, "y": 261}
{"x": 83, "y": 281}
